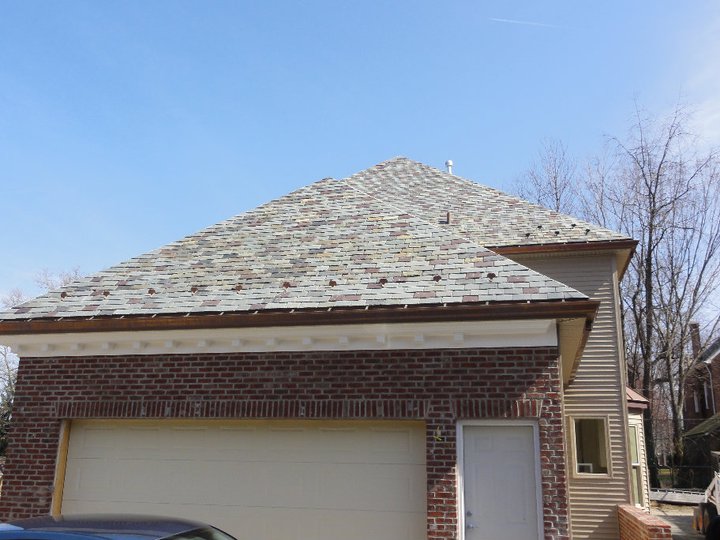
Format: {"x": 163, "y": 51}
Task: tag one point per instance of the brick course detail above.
{"x": 637, "y": 524}
{"x": 437, "y": 386}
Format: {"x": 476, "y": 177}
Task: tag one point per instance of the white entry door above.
{"x": 500, "y": 482}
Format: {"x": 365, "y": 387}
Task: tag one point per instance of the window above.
{"x": 706, "y": 387}
{"x": 636, "y": 478}
{"x": 591, "y": 445}
{"x": 697, "y": 401}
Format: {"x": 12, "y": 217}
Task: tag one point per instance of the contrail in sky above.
{"x": 526, "y": 23}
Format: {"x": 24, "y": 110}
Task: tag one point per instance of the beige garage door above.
{"x": 258, "y": 480}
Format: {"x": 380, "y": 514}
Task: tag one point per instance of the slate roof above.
{"x": 487, "y": 216}
{"x": 334, "y": 243}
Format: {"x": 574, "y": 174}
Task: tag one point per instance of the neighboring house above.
{"x": 700, "y": 410}
{"x": 702, "y": 384}
{"x": 396, "y": 355}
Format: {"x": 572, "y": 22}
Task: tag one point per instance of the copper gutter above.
{"x": 571, "y": 247}
{"x": 299, "y": 317}
{"x": 565, "y": 247}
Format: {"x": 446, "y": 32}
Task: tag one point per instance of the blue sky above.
{"x": 127, "y": 125}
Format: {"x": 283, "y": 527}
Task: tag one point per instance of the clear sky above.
{"x": 127, "y": 125}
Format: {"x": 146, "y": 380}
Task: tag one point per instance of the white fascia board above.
{"x": 439, "y": 335}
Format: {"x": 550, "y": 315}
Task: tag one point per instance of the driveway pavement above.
{"x": 680, "y": 520}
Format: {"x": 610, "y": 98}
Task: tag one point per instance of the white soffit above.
{"x": 443, "y": 335}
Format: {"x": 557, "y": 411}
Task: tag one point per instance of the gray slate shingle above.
{"x": 335, "y": 243}
{"x": 487, "y": 216}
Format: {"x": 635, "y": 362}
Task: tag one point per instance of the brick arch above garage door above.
{"x": 255, "y": 479}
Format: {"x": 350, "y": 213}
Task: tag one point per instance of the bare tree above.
{"x": 655, "y": 186}
{"x": 49, "y": 281}
{"x": 665, "y": 194}
{"x": 8, "y": 360}
{"x": 12, "y": 298}
{"x": 8, "y": 374}
{"x": 550, "y": 180}
{"x": 687, "y": 272}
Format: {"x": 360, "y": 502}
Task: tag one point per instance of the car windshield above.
{"x": 203, "y": 533}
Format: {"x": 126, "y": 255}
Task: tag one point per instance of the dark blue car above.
{"x": 109, "y": 527}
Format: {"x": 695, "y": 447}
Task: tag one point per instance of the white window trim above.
{"x": 460, "y": 446}
{"x": 633, "y": 427}
{"x": 573, "y": 448}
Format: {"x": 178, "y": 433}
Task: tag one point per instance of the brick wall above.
{"x": 694, "y": 384}
{"x": 695, "y": 388}
{"x": 438, "y": 386}
{"x": 637, "y": 524}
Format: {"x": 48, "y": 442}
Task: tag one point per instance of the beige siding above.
{"x": 636, "y": 419}
{"x": 597, "y": 390}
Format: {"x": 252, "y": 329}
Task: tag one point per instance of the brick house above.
{"x": 700, "y": 412}
{"x": 399, "y": 354}
{"x": 702, "y": 384}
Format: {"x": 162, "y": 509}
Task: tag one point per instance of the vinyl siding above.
{"x": 598, "y": 390}
{"x": 637, "y": 420}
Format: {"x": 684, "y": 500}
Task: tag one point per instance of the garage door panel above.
{"x": 280, "y": 523}
{"x": 232, "y": 443}
{"x": 356, "y": 526}
{"x": 255, "y": 479}
{"x": 89, "y": 480}
{"x": 390, "y": 442}
{"x": 374, "y": 488}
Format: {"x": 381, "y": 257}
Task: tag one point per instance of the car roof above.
{"x": 114, "y": 527}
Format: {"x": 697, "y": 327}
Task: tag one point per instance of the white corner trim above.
{"x": 444, "y": 335}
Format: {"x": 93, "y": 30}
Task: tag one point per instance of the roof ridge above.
{"x": 410, "y": 183}
{"x": 427, "y": 222}
{"x": 516, "y": 198}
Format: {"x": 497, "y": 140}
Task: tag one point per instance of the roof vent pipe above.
{"x": 449, "y": 166}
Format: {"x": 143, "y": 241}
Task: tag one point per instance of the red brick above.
{"x": 637, "y": 524}
{"x": 437, "y": 386}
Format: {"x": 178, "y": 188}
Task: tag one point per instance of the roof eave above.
{"x": 554, "y": 309}
{"x": 625, "y": 248}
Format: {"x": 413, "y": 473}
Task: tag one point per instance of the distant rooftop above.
{"x": 710, "y": 351}
{"x": 706, "y": 427}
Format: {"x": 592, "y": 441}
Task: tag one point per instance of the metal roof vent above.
{"x": 449, "y": 166}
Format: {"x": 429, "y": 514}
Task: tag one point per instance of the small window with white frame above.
{"x": 591, "y": 448}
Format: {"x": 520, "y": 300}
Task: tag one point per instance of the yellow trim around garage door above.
{"x": 264, "y": 478}
{"x": 61, "y": 466}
